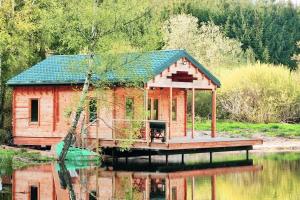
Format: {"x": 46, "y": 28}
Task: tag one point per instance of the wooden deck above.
{"x": 186, "y": 143}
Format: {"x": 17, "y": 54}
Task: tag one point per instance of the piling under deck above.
{"x": 181, "y": 145}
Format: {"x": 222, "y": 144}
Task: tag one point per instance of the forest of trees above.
{"x": 230, "y": 33}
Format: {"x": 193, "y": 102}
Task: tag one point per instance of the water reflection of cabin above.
{"x": 44, "y": 94}
{"x": 43, "y": 182}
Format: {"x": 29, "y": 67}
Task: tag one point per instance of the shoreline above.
{"x": 278, "y": 144}
{"x": 270, "y": 145}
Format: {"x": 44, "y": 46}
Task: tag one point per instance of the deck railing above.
{"x": 139, "y": 130}
{"x": 130, "y": 130}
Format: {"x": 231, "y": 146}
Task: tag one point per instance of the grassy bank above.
{"x": 20, "y": 158}
{"x": 246, "y": 129}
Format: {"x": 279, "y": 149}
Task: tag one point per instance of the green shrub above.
{"x": 4, "y": 136}
{"x": 202, "y": 104}
{"x": 260, "y": 93}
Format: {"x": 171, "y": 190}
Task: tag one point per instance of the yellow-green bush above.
{"x": 260, "y": 93}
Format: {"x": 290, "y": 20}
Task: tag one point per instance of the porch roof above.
{"x": 71, "y": 69}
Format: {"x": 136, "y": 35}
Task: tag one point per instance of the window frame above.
{"x": 156, "y": 117}
{"x": 174, "y": 105}
{"x": 151, "y": 103}
{"x": 30, "y": 110}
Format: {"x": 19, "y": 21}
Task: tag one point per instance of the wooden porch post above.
{"x": 193, "y": 188}
{"x": 148, "y": 188}
{"x": 213, "y": 187}
{"x": 146, "y": 115}
{"x": 170, "y": 117}
{"x": 214, "y": 113}
{"x": 193, "y": 112}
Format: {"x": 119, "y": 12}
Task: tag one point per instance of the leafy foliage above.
{"x": 261, "y": 93}
{"x": 207, "y": 43}
{"x": 268, "y": 28}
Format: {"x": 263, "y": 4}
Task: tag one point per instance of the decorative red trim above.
{"x": 114, "y": 103}
{"x": 55, "y": 107}
{"x": 14, "y": 112}
{"x": 185, "y": 112}
{"x": 182, "y": 76}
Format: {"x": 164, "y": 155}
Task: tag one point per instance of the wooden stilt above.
{"x": 149, "y": 156}
{"x": 247, "y": 154}
{"x": 210, "y": 157}
{"x": 167, "y": 159}
{"x": 214, "y": 114}
{"x": 182, "y": 158}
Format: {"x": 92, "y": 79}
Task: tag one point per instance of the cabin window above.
{"x": 155, "y": 109}
{"x": 153, "y": 106}
{"x": 174, "y": 109}
{"x": 34, "y": 193}
{"x": 129, "y": 107}
{"x": 34, "y": 110}
{"x": 92, "y": 110}
{"x": 149, "y": 109}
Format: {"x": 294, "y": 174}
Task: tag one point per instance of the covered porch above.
{"x": 164, "y": 126}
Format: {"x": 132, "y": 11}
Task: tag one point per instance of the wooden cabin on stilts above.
{"x": 151, "y": 118}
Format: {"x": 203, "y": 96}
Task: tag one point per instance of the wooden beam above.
{"x": 54, "y": 93}
{"x": 193, "y": 188}
{"x": 114, "y": 114}
{"x": 148, "y": 188}
{"x": 213, "y": 187}
{"x": 14, "y": 112}
{"x": 146, "y": 115}
{"x": 193, "y": 112}
{"x": 214, "y": 114}
{"x": 185, "y": 112}
{"x": 170, "y": 117}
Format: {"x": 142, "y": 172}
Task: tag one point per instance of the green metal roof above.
{"x": 69, "y": 69}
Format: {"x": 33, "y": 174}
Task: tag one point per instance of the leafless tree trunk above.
{"x": 65, "y": 177}
{"x": 72, "y": 130}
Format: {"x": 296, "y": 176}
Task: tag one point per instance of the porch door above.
{"x": 153, "y": 108}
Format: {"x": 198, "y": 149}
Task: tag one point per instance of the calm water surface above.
{"x": 268, "y": 176}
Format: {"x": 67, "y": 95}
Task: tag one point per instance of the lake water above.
{"x": 267, "y": 177}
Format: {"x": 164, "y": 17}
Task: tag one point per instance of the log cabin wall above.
{"x": 39, "y": 177}
{"x": 22, "y": 126}
{"x": 56, "y": 102}
{"x": 175, "y": 72}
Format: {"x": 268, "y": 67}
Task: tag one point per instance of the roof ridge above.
{"x": 132, "y": 52}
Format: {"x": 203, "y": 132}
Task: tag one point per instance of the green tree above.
{"x": 102, "y": 29}
{"x": 22, "y": 42}
{"x": 207, "y": 43}
{"x": 269, "y": 28}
